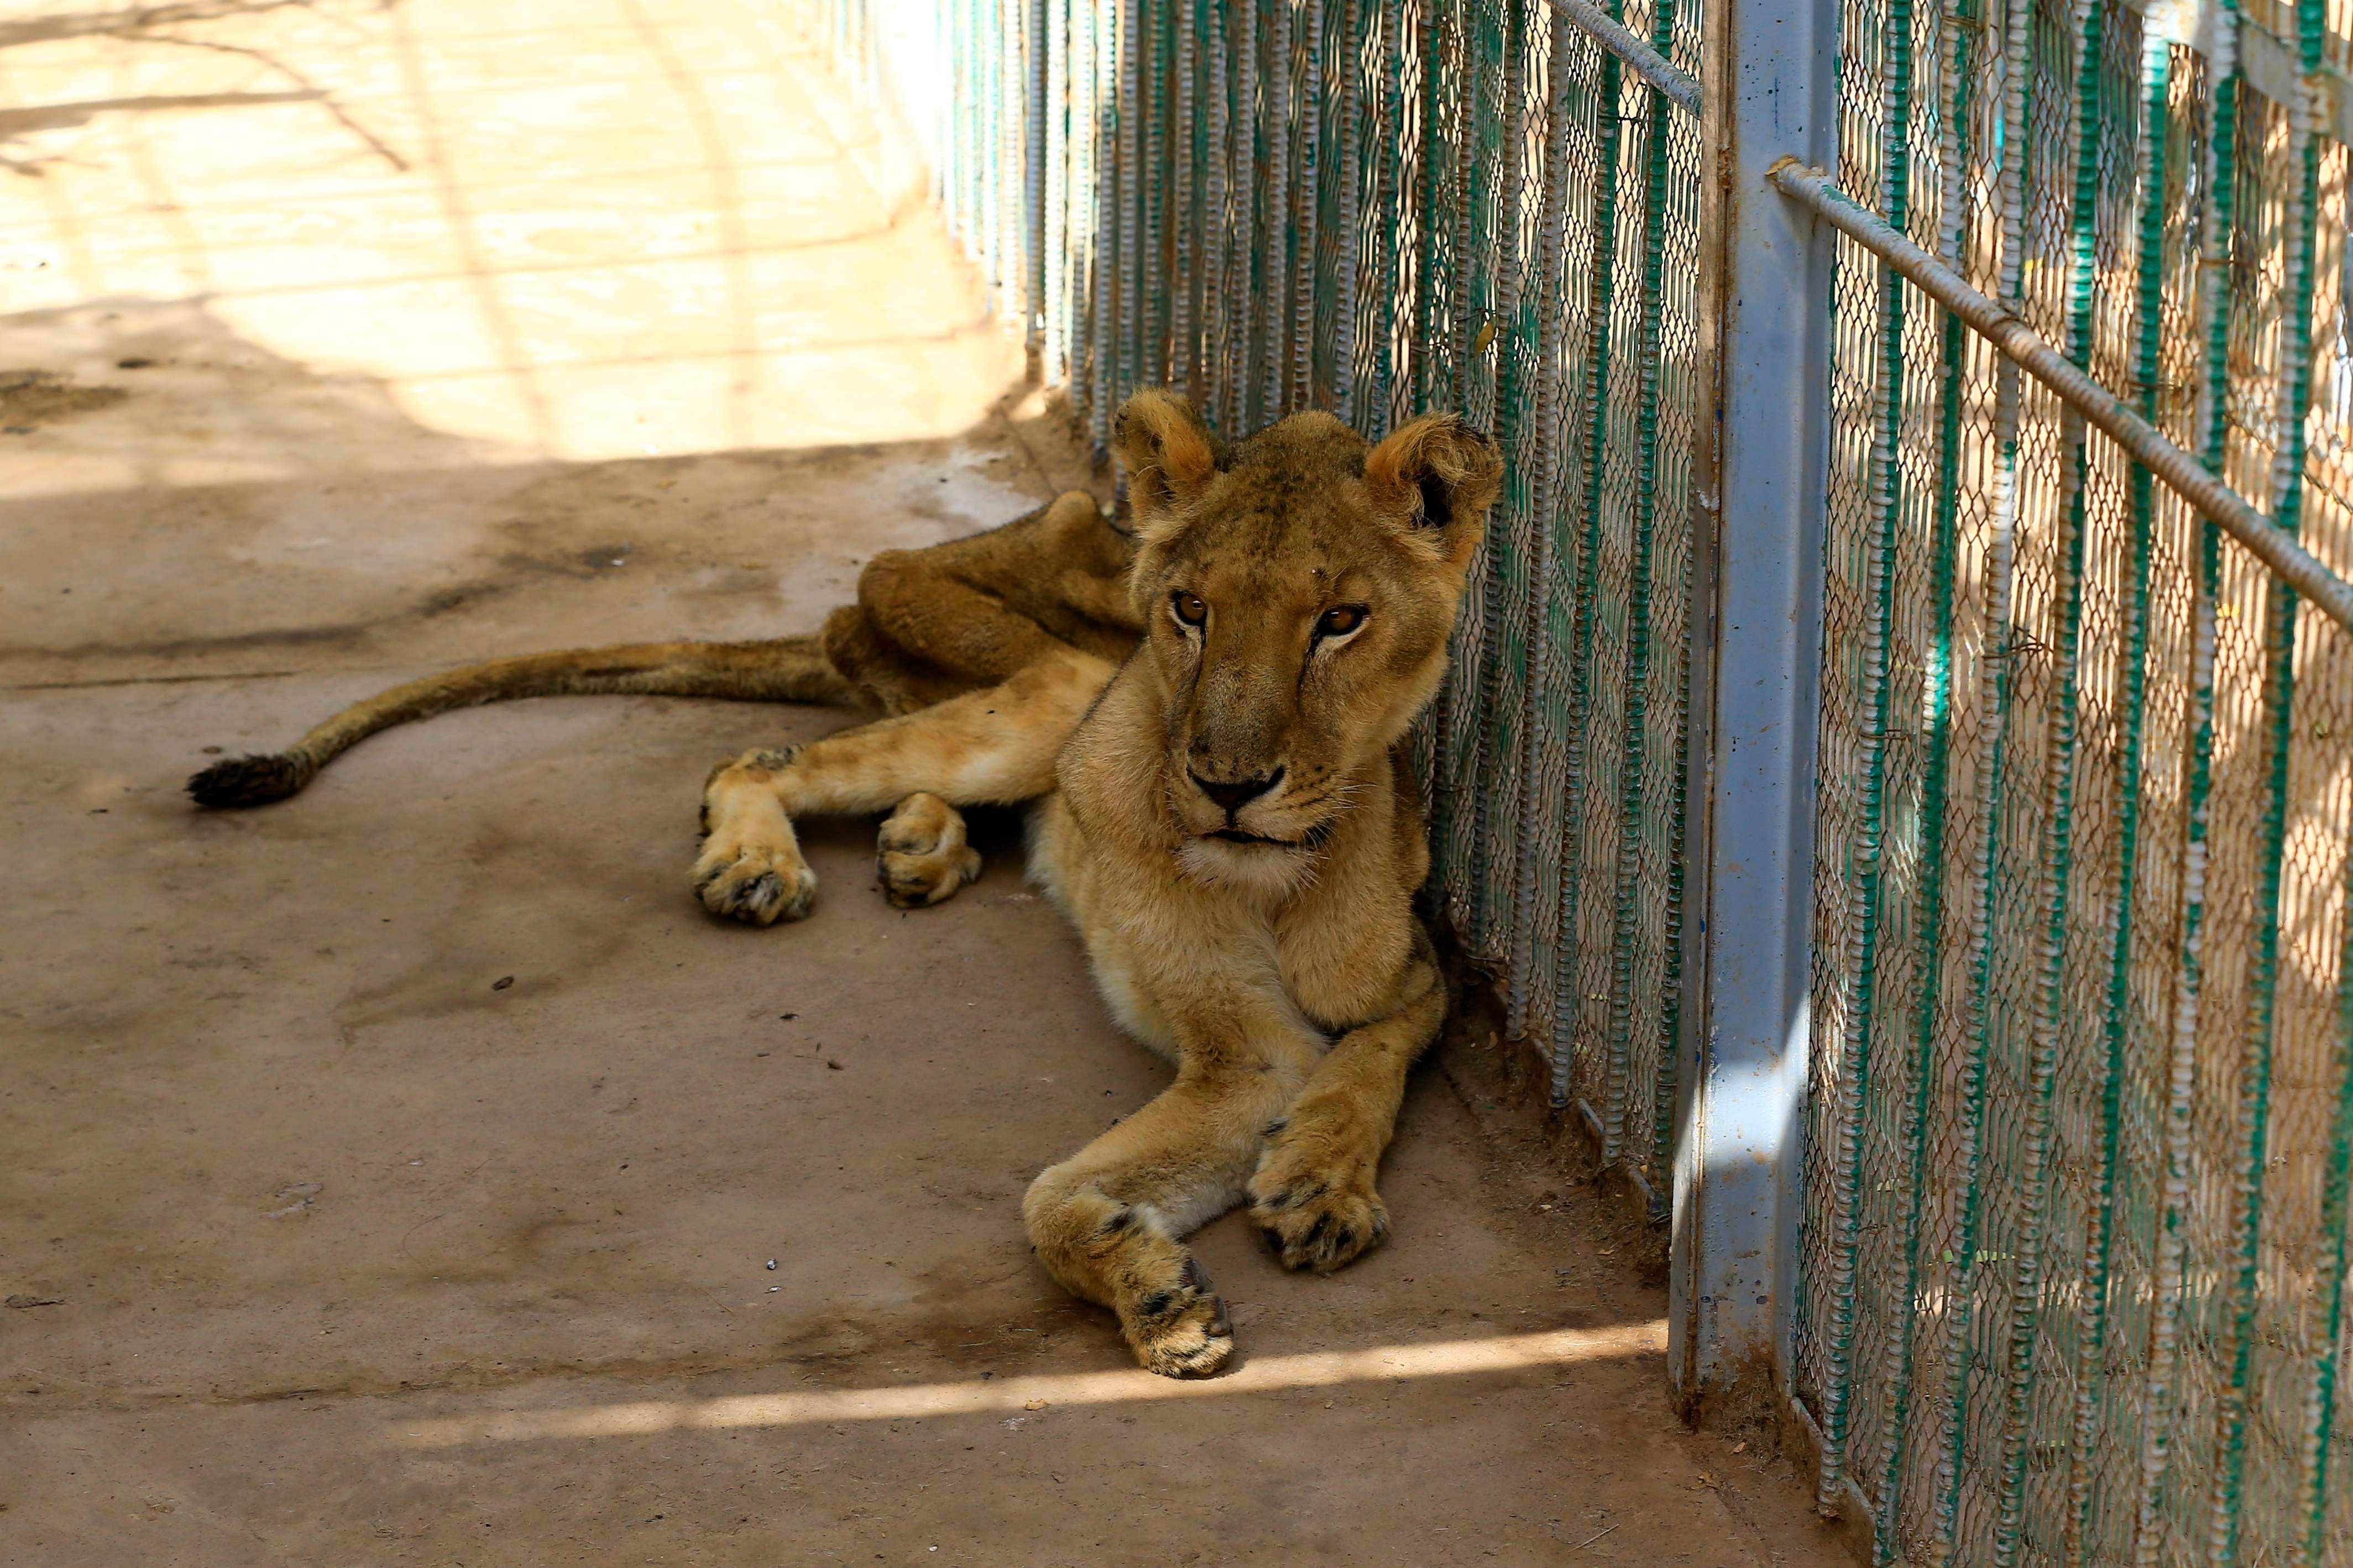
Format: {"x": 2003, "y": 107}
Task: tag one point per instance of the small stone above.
{"x": 1034, "y": 1404}
{"x": 772, "y": 1266}
{"x": 502, "y": 982}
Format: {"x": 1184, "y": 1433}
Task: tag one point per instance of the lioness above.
{"x": 1225, "y": 815}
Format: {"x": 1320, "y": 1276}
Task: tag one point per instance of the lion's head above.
{"x": 1296, "y": 592}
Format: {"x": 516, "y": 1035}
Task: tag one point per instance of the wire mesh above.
{"x": 2076, "y": 1205}
{"x": 2078, "y": 1151}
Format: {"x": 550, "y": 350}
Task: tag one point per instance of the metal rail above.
{"x": 2269, "y": 64}
{"x": 2180, "y": 472}
{"x": 1679, "y": 86}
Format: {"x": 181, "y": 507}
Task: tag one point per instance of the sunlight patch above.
{"x": 1453, "y": 1358}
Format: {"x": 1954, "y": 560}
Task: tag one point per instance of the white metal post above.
{"x": 1756, "y": 698}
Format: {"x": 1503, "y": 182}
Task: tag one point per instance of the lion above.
{"x": 1223, "y": 810}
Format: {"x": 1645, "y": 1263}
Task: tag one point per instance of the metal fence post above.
{"x": 1755, "y": 701}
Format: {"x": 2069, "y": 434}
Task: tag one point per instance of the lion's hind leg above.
{"x": 995, "y": 747}
{"x": 922, "y": 855}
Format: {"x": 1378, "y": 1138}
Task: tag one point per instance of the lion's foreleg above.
{"x": 1108, "y": 1222}
{"x": 991, "y": 747}
{"x": 1313, "y": 1193}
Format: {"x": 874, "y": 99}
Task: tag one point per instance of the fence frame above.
{"x": 1757, "y": 578}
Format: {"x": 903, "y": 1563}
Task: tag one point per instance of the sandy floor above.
{"x": 346, "y": 339}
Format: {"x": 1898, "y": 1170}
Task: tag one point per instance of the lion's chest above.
{"x": 1340, "y": 967}
{"x": 1160, "y": 946}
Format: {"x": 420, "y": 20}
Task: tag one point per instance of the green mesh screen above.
{"x": 2080, "y": 1121}
{"x": 2075, "y": 1217}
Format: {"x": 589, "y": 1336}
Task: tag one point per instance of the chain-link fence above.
{"x": 2070, "y": 1058}
{"x": 2078, "y": 1127}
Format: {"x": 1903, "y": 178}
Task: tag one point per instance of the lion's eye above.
{"x": 1188, "y": 608}
{"x": 1340, "y": 620}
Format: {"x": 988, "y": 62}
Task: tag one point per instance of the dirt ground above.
{"x": 411, "y": 1174}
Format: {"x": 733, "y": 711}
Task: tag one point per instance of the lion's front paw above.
{"x": 1180, "y": 1329}
{"x": 920, "y": 852}
{"x": 754, "y": 883}
{"x": 1316, "y": 1212}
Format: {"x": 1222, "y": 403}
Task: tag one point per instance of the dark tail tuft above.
{"x": 253, "y": 780}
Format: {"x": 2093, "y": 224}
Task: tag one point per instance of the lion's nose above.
{"x": 1234, "y": 796}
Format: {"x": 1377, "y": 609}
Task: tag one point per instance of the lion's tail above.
{"x": 788, "y": 669}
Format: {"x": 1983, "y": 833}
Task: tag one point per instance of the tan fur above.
{"x": 928, "y": 624}
{"x": 1225, "y": 818}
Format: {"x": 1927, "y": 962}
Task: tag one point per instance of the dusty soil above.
{"x": 410, "y": 1172}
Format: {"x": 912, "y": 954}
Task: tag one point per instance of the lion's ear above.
{"x": 1436, "y": 474}
{"x": 1166, "y": 451}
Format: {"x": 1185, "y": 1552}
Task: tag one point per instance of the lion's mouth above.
{"x": 1313, "y": 838}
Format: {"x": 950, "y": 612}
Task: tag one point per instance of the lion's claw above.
{"x": 1315, "y": 1216}
{"x": 756, "y": 887}
{"x": 1183, "y": 1331}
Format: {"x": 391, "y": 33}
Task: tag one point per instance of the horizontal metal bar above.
{"x": 2182, "y": 473}
{"x": 1679, "y": 86}
{"x": 2267, "y": 63}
